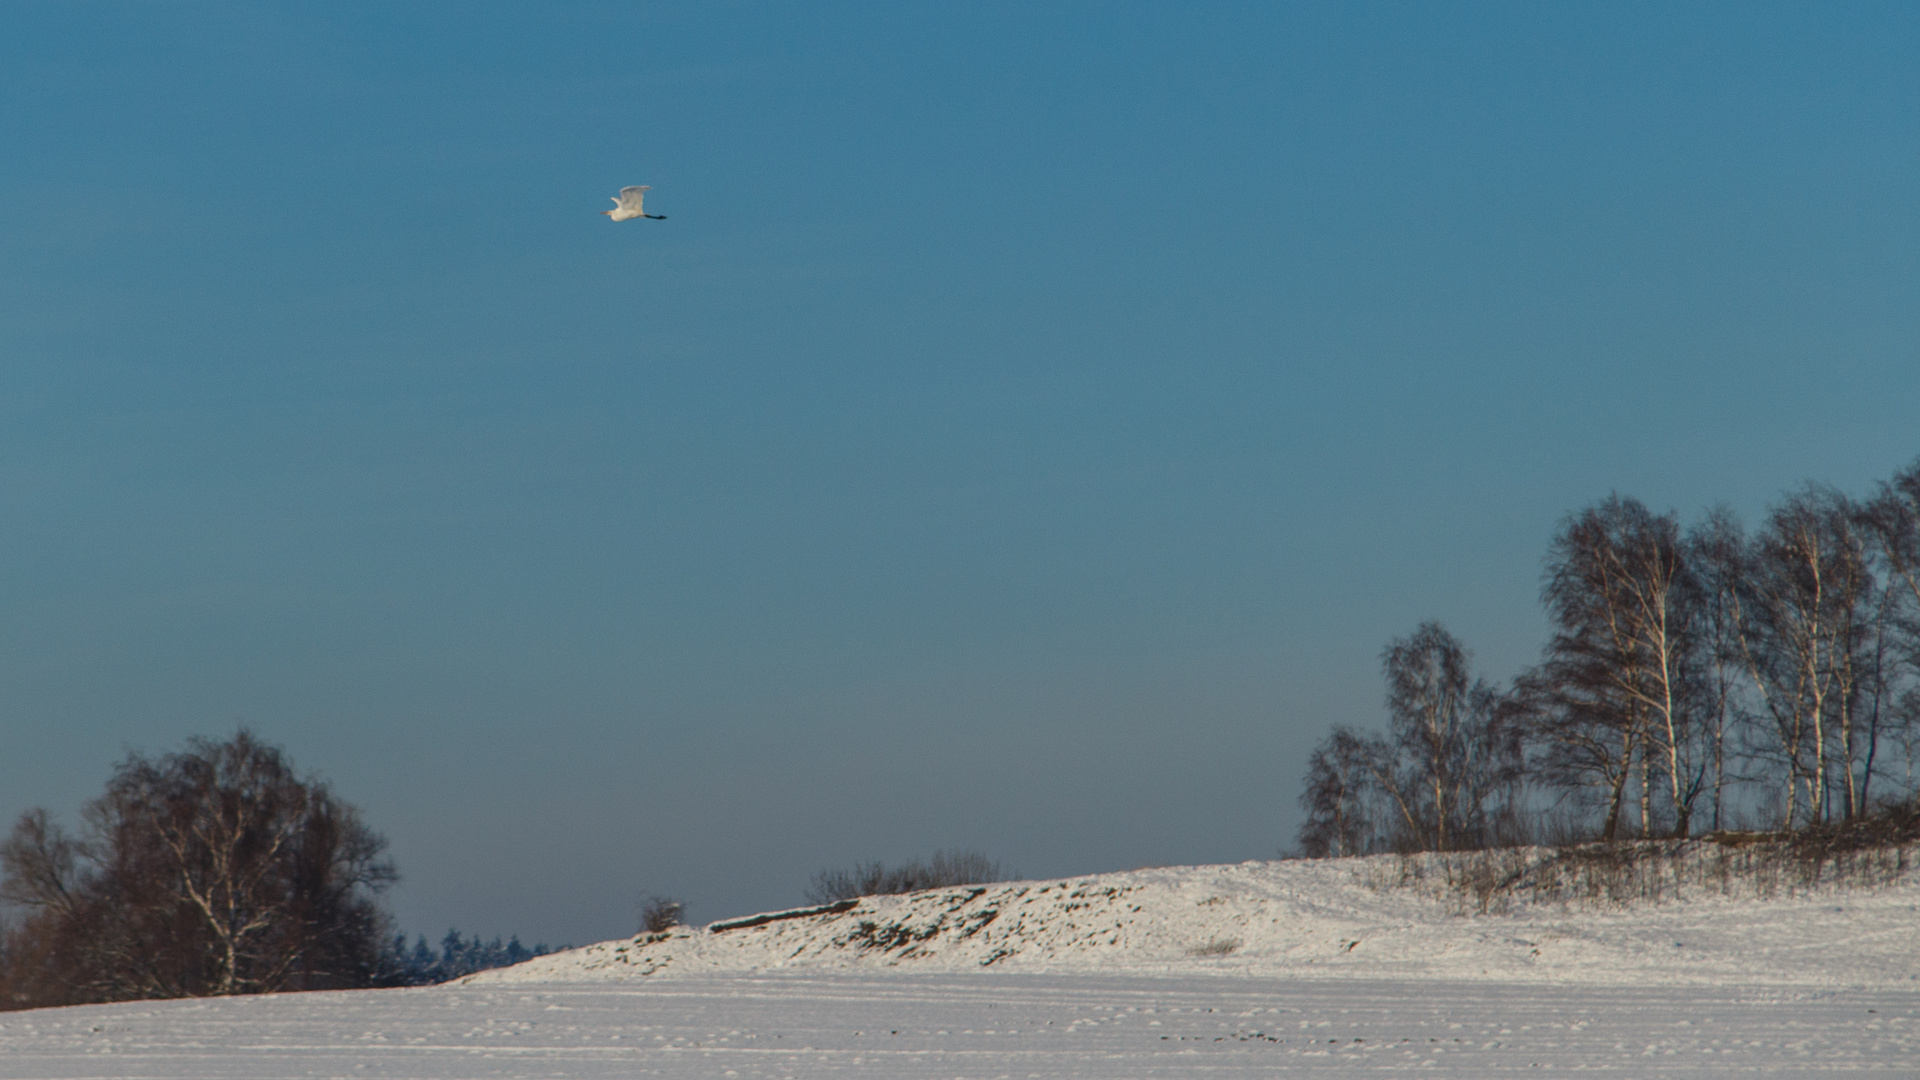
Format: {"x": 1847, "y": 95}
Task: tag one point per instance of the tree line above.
{"x": 218, "y": 869}
{"x": 1696, "y": 678}
{"x": 422, "y": 965}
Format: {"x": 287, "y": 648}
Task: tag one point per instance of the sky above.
{"x": 1023, "y": 435}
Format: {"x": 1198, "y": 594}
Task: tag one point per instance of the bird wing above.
{"x": 630, "y": 197}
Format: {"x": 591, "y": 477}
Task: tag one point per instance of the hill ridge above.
{"x": 1324, "y": 918}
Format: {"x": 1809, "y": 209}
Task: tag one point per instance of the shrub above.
{"x": 945, "y": 869}
{"x": 1864, "y": 853}
{"x": 658, "y": 914}
{"x": 1216, "y": 947}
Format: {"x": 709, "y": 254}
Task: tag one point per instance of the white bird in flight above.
{"x": 627, "y": 205}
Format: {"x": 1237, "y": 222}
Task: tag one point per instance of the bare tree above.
{"x": 1444, "y": 778}
{"x": 1716, "y": 549}
{"x": 216, "y": 870}
{"x": 1345, "y": 804}
{"x": 1810, "y": 628}
{"x": 58, "y": 938}
{"x": 1620, "y": 688}
{"x": 1427, "y": 710}
{"x": 1444, "y": 731}
{"x": 1892, "y": 519}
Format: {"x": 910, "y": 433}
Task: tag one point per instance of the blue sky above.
{"x": 1024, "y": 433}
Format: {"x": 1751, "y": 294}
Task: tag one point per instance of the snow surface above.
{"x": 1100, "y": 978}
{"x": 898, "y": 1025}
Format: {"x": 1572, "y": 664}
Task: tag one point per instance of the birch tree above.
{"x": 1810, "y": 623}
{"x": 1446, "y": 730}
{"x": 1347, "y": 812}
{"x": 1716, "y": 551}
{"x": 1892, "y": 519}
{"x": 1445, "y": 777}
{"x": 1622, "y": 694}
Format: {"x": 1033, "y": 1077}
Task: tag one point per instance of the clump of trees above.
{"x": 214, "y": 870}
{"x": 944, "y": 869}
{"x": 1696, "y": 677}
{"x": 1445, "y": 777}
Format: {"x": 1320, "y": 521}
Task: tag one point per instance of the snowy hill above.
{"x": 1368, "y": 964}
{"x": 1331, "y": 918}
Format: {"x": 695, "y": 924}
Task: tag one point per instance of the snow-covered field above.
{"x": 1216, "y": 971}
{"x": 903, "y": 1026}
